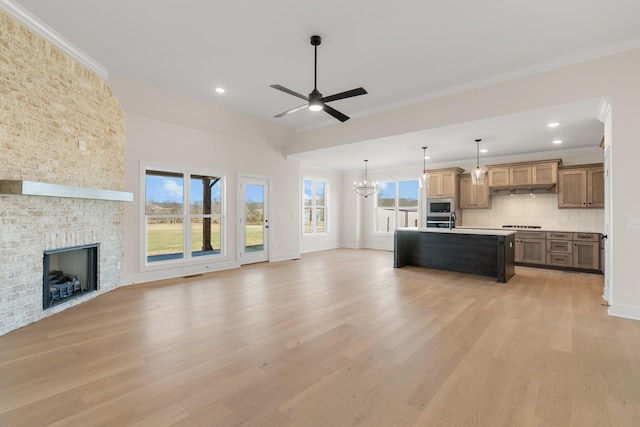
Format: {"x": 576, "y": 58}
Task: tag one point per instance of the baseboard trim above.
{"x": 626, "y": 311}
{"x": 317, "y": 248}
{"x": 285, "y": 257}
{"x": 172, "y": 273}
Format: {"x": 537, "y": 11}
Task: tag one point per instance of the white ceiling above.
{"x": 401, "y": 52}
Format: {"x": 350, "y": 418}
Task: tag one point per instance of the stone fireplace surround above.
{"x": 59, "y": 124}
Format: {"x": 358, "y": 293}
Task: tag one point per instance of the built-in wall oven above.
{"x": 439, "y": 213}
{"x": 439, "y": 222}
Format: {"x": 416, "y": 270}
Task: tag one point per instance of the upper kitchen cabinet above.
{"x": 538, "y": 174}
{"x": 498, "y": 176}
{"x": 473, "y": 196}
{"x": 443, "y": 183}
{"x": 520, "y": 175}
{"x": 581, "y": 186}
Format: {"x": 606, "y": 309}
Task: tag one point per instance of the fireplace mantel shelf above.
{"x": 32, "y": 188}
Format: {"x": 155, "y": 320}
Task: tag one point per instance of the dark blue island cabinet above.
{"x": 467, "y": 250}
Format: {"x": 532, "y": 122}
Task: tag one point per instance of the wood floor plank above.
{"x": 336, "y": 338}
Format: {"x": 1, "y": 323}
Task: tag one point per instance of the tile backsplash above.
{"x": 539, "y": 209}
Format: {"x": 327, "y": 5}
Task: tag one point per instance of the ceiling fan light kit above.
{"x": 315, "y": 100}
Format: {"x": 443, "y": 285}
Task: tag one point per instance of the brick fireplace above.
{"x": 59, "y": 124}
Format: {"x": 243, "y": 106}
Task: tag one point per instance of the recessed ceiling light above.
{"x": 484, "y": 150}
{"x": 220, "y": 90}
{"x": 427, "y": 157}
{"x": 553, "y": 124}
{"x": 557, "y": 141}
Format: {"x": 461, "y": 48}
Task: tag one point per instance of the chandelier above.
{"x": 425, "y": 177}
{"x": 365, "y": 188}
{"x": 477, "y": 175}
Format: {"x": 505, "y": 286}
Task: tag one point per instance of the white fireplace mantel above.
{"x": 32, "y": 188}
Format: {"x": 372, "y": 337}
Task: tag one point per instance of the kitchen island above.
{"x": 467, "y": 250}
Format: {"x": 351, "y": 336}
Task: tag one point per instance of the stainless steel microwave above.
{"x": 441, "y": 207}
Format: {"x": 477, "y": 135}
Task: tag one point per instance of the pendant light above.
{"x": 364, "y": 188}
{"x": 477, "y": 175}
{"x": 425, "y": 177}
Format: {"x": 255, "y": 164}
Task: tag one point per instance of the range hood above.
{"x": 33, "y": 188}
{"x": 523, "y": 189}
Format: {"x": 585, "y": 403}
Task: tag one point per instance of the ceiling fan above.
{"x": 315, "y": 100}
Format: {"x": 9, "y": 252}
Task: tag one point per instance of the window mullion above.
{"x": 313, "y": 207}
{"x": 186, "y": 214}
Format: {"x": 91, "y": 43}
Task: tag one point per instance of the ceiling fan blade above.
{"x": 335, "y": 113}
{"x": 290, "y": 92}
{"x": 347, "y": 94}
{"x": 293, "y": 110}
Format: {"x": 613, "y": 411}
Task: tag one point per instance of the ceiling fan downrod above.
{"x": 315, "y": 42}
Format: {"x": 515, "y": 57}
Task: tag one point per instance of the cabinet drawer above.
{"x": 562, "y": 260}
{"x": 559, "y": 235}
{"x": 589, "y": 237}
{"x": 560, "y": 246}
{"x": 530, "y": 235}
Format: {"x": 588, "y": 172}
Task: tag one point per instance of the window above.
{"x": 396, "y": 205}
{"x": 315, "y": 206}
{"x": 183, "y": 215}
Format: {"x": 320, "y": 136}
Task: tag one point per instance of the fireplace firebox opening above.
{"x": 69, "y": 273}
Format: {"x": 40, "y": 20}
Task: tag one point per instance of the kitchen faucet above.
{"x": 452, "y": 220}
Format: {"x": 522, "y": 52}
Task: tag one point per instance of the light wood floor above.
{"x": 338, "y": 338}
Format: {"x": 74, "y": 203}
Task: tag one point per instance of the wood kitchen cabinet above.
{"x": 531, "y": 247}
{"x": 498, "y": 176}
{"x": 541, "y": 173}
{"x": 581, "y": 187}
{"x": 586, "y": 251}
{"x": 473, "y": 196}
{"x": 569, "y": 250}
{"x": 559, "y": 249}
{"x": 595, "y": 187}
{"x": 520, "y": 175}
{"x": 443, "y": 183}
{"x": 544, "y": 173}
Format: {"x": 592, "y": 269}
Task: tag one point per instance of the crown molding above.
{"x": 52, "y": 36}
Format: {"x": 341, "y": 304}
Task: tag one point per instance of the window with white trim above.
{"x": 183, "y": 214}
{"x": 396, "y": 205}
{"x": 314, "y": 196}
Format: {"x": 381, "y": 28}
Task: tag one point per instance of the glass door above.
{"x": 254, "y": 240}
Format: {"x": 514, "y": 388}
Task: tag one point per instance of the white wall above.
{"x": 614, "y": 77}
{"x": 248, "y": 146}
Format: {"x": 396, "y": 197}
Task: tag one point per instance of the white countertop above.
{"x": 543, "y": 230}
{"x": 462, "y": 230}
